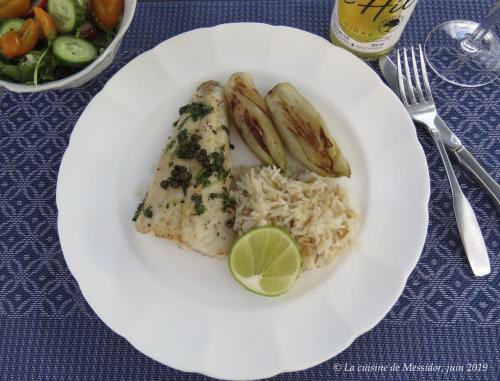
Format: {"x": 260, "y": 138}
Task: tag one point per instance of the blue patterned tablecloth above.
{"x": 445, "y": 317}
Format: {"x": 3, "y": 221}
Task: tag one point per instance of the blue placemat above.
{"x": 445, "y": 326}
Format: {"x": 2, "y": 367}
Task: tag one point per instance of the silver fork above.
{"x": 422, "y": 109}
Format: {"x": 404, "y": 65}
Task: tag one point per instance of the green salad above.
{"x": 47, "y": 40}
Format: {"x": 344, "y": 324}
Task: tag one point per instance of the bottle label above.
{"x": 370, "y": 26}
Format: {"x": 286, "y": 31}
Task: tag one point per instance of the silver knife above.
{"x": 451, "y": 141}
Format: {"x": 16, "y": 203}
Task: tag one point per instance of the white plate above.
{"x": 185, "y": 310}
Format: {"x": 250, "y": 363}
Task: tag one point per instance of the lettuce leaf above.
{"x": 22, "y": 70}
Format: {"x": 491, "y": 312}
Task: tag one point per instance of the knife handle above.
{"x": 470, "y": 232}
{"x": 479, "y": 173}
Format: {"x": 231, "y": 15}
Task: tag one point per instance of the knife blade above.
{"x": 450, "y": 140}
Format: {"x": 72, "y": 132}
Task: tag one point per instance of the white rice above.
{"x": 314, "y": 209}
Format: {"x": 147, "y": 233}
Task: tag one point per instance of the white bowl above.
{"x": 88, "y": 72}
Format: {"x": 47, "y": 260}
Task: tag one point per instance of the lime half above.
{"x": 266, "y": 260}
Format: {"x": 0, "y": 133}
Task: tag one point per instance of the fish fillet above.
{"x": 197, "y": 214}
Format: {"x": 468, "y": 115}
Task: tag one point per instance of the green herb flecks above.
{"x": 206, "y": 171}
{"x": 180, "y": 124}
{"x": 212, "y": 163}
{"x": 199, "y": 208}
{"x": 197, "y": 110}
{"x": 224, "y": 173}
{"x": 138, "y": 210}
{"x": 148, "y": 213}
{"x": 217, "y": 161}
{"x": 169, "y": 145}
{"x": 202, "y": 178}
{"x": 228, "y": 203}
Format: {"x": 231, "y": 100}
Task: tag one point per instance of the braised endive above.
{"x": 304, "y": 132}
{"x": 251, "y": 117}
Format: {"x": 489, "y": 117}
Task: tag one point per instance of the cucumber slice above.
{"x": 11, "y": 25}
{"x": 68, "y": 14}
{"x": 73, "y": 51}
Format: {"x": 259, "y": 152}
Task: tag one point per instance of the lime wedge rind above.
{"x": 270, "y": 265}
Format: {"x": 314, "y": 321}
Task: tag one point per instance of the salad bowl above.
{"x": 88, "y": 72}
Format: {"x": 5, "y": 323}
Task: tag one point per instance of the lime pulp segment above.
{"x": 265, "y": 260}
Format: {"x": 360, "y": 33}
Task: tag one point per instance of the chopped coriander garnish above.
{"x": 227, "y": 201}
{"x": 198, "y": 110}
{"x": 169, "y": 145}
{"x": 199, "y": 208}
{"x": 224, "y": 173}
{"x": 203, "y": 177}
{"x": 211, "y": 163}
{"x": 138, "y": 210}
{"x": 148, "y": 213}
{"x": 217, "y": 160}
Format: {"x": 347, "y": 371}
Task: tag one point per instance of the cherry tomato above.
{"x": 10, "y": 43}
{"x": 37, "y": 3}
{"x": 16, "y": 44}
{"x": 14, "y": 8}
{"x": 46, "y": 23}
{"x": 107, "y": 13}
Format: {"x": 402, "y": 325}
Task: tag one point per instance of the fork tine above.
{"x": 418, "y": 87}
{"x": 408, "y": 78}
{"x": 402, "y": 93}
{"x": 424, "y": 75}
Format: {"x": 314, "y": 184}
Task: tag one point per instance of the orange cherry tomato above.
{"x": 14, "y": 8}
{"x": 107, "y": 13}
{"x": 46, "y": 23}
{"x": 16, "y": 44}
{"x": 37, "y": 3}
{"x": 10, "y": 43}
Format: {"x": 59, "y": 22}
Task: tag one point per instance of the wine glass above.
{"x": 465, "y": 53}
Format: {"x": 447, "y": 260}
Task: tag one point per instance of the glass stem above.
{"x": 489, "y": 21}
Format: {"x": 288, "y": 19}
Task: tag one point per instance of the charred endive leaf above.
{"x": 251, "y": 117}
{"x": 304, "y": 132}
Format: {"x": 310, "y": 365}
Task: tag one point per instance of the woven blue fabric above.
{"x": 445, "y": 316}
